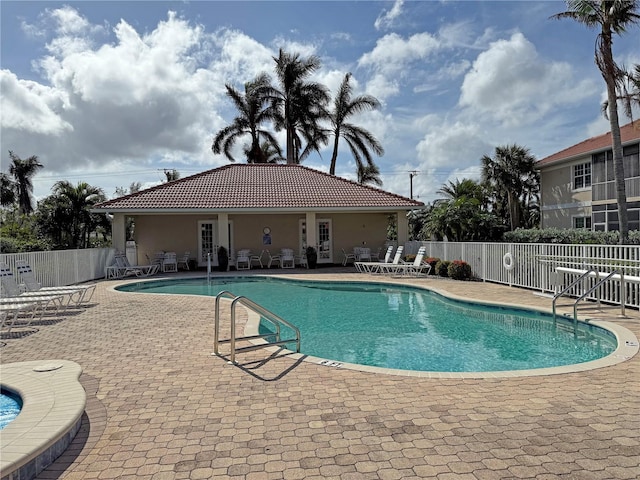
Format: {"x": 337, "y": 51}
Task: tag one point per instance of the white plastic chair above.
{"x": 348, "y": 257}
{"x": 273, "y": 259}
{"x": 287, "y": 260}
{"x": 170, "y": 262}
{"x": 256, "y": 259}
{"x": 184, "y": 261}
{"x": 243, "y": 260}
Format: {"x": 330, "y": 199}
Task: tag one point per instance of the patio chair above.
{"x": 273, "y": 259}
{"x": 347, "y": 257}
{"x": 28, "y": 278}
{"x": 243, "y": 259}
{"x": 366, "y": 267}
{"x": 302, "y": 259}
{"x": 184, "y": 261}
{"x": 170, "y": 262}
{"x": 416, "y": 268}
{"x": 255, "y": 259}
{"x": 287, "y": 260}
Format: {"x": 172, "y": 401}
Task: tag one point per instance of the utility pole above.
{"x": 412, "y": 174}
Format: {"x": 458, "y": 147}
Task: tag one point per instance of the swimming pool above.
{"x": 10, "y": 406}
{"x": 407, "y": 328}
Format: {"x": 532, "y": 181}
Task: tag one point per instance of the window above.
{"x": 582, "y": 175}
{"x": 582, "y": 222}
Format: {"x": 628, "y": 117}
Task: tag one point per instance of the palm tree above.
{"x": 254, "y": 109}
{"x": 512, "y": 180}
{"x": 77, "y": 202}
{"x": 611, "y": 16}
{"x": 300, "y": 103}
{"x": 22, "y": 171}
{"x": 465, "y": 188}
{"x": 368, "y": 174}
{"x": 271, "y": 153}
{"x": 7, "y": 190}
{"x": 360, "y": 141}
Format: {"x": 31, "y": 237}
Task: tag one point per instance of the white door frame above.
{"x": 324, "y": 247}
{"x": 202, "y": 255}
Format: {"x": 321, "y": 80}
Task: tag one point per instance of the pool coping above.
{"x": 628, "y": 345}
{"x": 53, "y": 404}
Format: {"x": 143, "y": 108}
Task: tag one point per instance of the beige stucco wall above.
{"x": 558, "y": 201}
{"x": 179, "y": 233}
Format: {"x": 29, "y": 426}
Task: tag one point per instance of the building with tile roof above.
{"x": 578, "y": 183}
{"x": 264, "y": 206}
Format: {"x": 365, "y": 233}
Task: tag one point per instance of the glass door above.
{"x": 325, "y": 245}
{"x": 207, "y": 242}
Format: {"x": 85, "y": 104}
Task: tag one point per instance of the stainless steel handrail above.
{"x": 567, "y": 288}
{"x": 581, "y": 297}
{"x": 263, "y": 312}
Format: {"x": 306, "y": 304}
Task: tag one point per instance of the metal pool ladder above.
{"x": 271, "y": 317}
{"x": 598, "y": 282}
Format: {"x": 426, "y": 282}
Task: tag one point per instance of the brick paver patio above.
{"x": 160, "y": 406}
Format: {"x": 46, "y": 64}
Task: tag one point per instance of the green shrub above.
{"x": 433, "y": 261}
{"x": 574, "y": 236}
{"x": 459, "y": 270}
{"x": 442, "y": 268}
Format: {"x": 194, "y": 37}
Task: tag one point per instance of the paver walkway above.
{"x": 161, "y": 407}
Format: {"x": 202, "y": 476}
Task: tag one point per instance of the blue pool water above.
{"x": 405, "y": 327}
{"x": 10, "y": 406}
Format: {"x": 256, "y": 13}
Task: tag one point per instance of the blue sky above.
{"x": 114, "y": 92}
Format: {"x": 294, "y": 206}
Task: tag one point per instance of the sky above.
{"x": 115, "y": 92}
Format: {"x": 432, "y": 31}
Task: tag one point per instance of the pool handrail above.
{"x": 260, "y": 310}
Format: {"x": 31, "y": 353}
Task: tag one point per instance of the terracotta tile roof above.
{"x": 256, "y": 187}
{"x": 629, "y": 132}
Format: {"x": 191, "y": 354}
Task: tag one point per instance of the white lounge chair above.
{"x": 12, "y": 294}
{"x": 367, "y": 267}
{"x": 381, "y": 267}
{"x": 124, "y": 268}
{"x": 418, "y": 267}
{"x": 9, "y": 313}
{"x": 30, "y": 282}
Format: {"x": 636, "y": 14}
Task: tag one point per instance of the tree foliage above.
{"x": 22, "y": 171}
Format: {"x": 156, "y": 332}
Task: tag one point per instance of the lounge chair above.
{"x": 30, "y": 282}
{"x": 366, "y": 267}
{"x": 9, "y": 313}
{"x": 124, "y": 268}
{"x": 381, "y": 267}
{"x": 12, "y": 294}
{"x": 418, "y": 267}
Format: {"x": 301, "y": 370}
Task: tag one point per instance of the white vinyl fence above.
{"x": 63, "y": 267}
{"x": 534, "y": 265}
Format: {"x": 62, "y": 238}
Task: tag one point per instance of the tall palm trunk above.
{"x": 609, "y": 74}
{"x": 334, "y": 155}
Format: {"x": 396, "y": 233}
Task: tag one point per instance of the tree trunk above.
{"x": 608, "y": 73}
{"x": 334, "y": 156}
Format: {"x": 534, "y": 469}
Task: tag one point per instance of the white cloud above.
{"x": 387, "y": 18}
{"x": 512, "y": 84}
{"x": 30, "y": 107}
